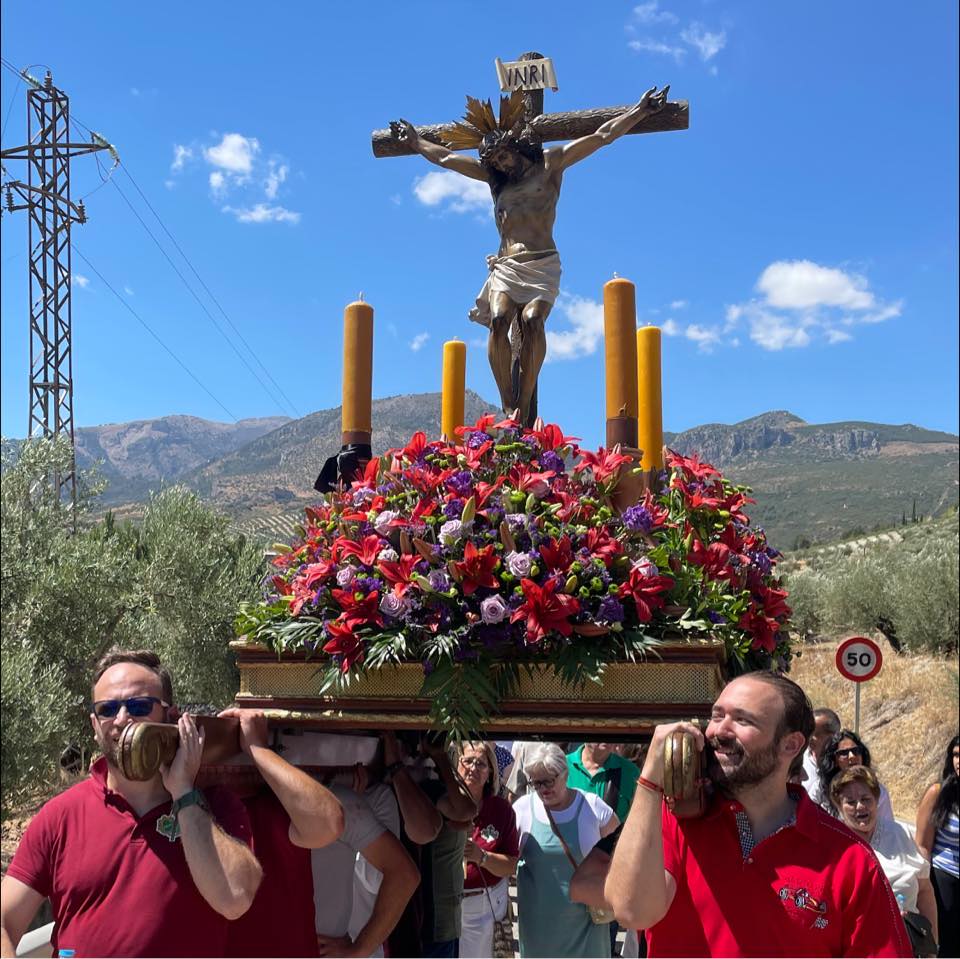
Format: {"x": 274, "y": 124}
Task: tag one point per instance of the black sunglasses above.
{"x": 136, "y": 706}
{"x": 543, "y": 783}
{"x": 851, "y": 751}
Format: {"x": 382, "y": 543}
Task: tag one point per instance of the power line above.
{"x": 13, "y": 98}
{"x": 190, "y": 289}
{"x": 207, "y": 289}
{"x": 148, "y": 328}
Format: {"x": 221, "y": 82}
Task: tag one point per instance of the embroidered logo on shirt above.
{"x": 803, "y": 900}
{"x": 168, "y": 826}
{"x": 489, "y": 833}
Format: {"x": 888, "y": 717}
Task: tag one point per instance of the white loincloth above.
{"x": 522, "y": 279}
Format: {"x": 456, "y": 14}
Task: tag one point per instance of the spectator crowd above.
{"x": 798, "y": 848}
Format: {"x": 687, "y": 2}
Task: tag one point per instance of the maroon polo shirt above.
{"x": 117, "y": 886}
{"x": 280, "y": 922}
{"x": 811, "y": 889}
{"x": 494, "y": 829}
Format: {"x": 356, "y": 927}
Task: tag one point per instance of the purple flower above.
{"x": 428, "y": 667}
{"x": 345, "y": 576}
{"x": 762, "y": 562}
{"x": 493, "y": 609}
{"x": 366, "y": 584}
{"x": 516, "y": 520}
{"x": 382, "y": 523}
{"x": 637, "y": 519}
{"x": 610, "y": 610}
{"x": 716, "y": 618}
{"x": 461, "y": 483}
{"x": 451, "y": 532}
{"x": 438, "y": 580}
{"x": 519, "y": 564}
{"x": 646, "y": 567}
{"x": 477, "y": 439}
{"x": 360, "y": 496}
{"x": 453, "y": 509}
{"x": 392, "y": 605}
{"x": 549, "y": 460}
{"x": 388, "y": 555}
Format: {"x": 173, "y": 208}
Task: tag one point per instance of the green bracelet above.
{"x": 193, "y": 798}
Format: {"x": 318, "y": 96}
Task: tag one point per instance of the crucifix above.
{"x": 524, "y": 180}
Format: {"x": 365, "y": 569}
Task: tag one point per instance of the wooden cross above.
{"x": 675, "y": 115}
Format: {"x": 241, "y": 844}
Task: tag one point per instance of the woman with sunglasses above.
{"x": 855, "y": 793}
{"x": 558, "y": 826}
{"x": 844, "y": 751}
{"x": 938, "y": 836}
{"x": 490, "y": 854}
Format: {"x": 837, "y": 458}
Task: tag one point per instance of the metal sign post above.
{"x": 858, "y": 659}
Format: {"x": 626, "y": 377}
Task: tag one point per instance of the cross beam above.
{"x": 675, "y": 115}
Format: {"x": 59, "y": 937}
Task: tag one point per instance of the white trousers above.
{"x": 477, "y": 921}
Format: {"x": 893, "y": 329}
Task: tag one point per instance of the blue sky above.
{"x": 798, "y": 244}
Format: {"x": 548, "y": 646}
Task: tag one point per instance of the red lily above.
{"x": 645, "y": 592}
{"x": 658, "y": 514}
{"x": 357, "y": 612}
{"x": 345, "y": 644}
{"x": 551, "y": 437}
{"x": 545, "y": 610}
{"x": 527, "y": 481}
{"x": 774, "y": 602}
{"x": 370, "y": 473}
{"x": 302, "y": 593}
{"x": 281, "y": 586}
{"x": 572, "y": 506}
{"x": 601, "y": 544}
{"x": 557, "y": 555}
{"x": 604, "y": 463}
{"x": 366, "y": 550}
{"x": 317, "y": 572}
{"x": 762, "y": 628}
{"x": 400, "y": 573}
{"x": 476, "y": 570}
{"x": 714, "y": 559}
{"x": 474, "y": 457}
{"x": 415, "y": 448}
{"x": 691, "y": 465}
{"x": 483, "y": 491}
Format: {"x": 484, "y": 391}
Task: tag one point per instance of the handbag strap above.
{"x": 559, "y": 835}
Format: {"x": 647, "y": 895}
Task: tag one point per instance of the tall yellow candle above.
{"x": 453, "y": 387}
{"x": 650, "y": 411}
{"x": 357, "y": 371}
{"x": 620, "y": 345}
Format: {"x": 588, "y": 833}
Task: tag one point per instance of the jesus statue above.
{"x": 524, "y": 179}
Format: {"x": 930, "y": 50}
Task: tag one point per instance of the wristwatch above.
{"x": 193, "y": 798}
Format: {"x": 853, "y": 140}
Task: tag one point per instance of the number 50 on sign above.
{"x": 858, "y": 659}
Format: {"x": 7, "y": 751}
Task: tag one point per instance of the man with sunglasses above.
{"x": 153, "y": 868}
{"x": 764, "y": 871}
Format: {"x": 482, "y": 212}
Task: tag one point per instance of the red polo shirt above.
{"x": 117, "y": 886}
{"x": 280, "y": 922}
{"x": 811, "y": 889}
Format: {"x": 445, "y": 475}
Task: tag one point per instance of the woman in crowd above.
{"x": 558, "y": 826}
{"x": 844, "y": 751}
{"x": 490, "y": 854}
{"x": 855, "y": 793}
{"x": 938, "y": 833}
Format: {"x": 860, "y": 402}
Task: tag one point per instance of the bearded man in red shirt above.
{"x": 154, "y": 868}
{"x": 764, "y": 872}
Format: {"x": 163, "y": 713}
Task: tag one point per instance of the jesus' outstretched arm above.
{"x": 406, "y": 133}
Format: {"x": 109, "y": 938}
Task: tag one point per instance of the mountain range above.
{"x": 811, "y": 482}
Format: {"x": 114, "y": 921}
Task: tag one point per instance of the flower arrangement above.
{"x": 503, "y": 549}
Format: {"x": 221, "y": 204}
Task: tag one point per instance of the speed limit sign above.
{"x": 859, "y": 659}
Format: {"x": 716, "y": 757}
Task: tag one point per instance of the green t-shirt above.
{"x": 597, "y": 784}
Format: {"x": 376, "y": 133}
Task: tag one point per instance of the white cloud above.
{"x": 706, "y": 338}
{"x": 802, "y": 284}
{"x": 586, "y": 328}
{"x": 234, "y": 153}
{"x": 134, "y": 91}
{"x": 461, "y": 194}
{"x": 838, "y": 336}
{"x": 670, "y": 328}
{"x": 82, "y": 281}
{"x": 679, "y": 304}
{"x": 275, "y": 176}
{"x": 707, "y": 44}
{"x": 396, "y": 199}
{"x": 650, "y": 12}
{"x": 775, "y": 332}
{"x": 128, "y": 291}
{"x": 218, "y": 183}
{"x": 263, "y": 213}
{"x": 170, "y": 184}
{"x": 181, "y": 154}
{"x": 658, "y": 46}
{"x": 419, "y": 341}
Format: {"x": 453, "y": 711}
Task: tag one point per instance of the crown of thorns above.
{"x": 479, "y": 123}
